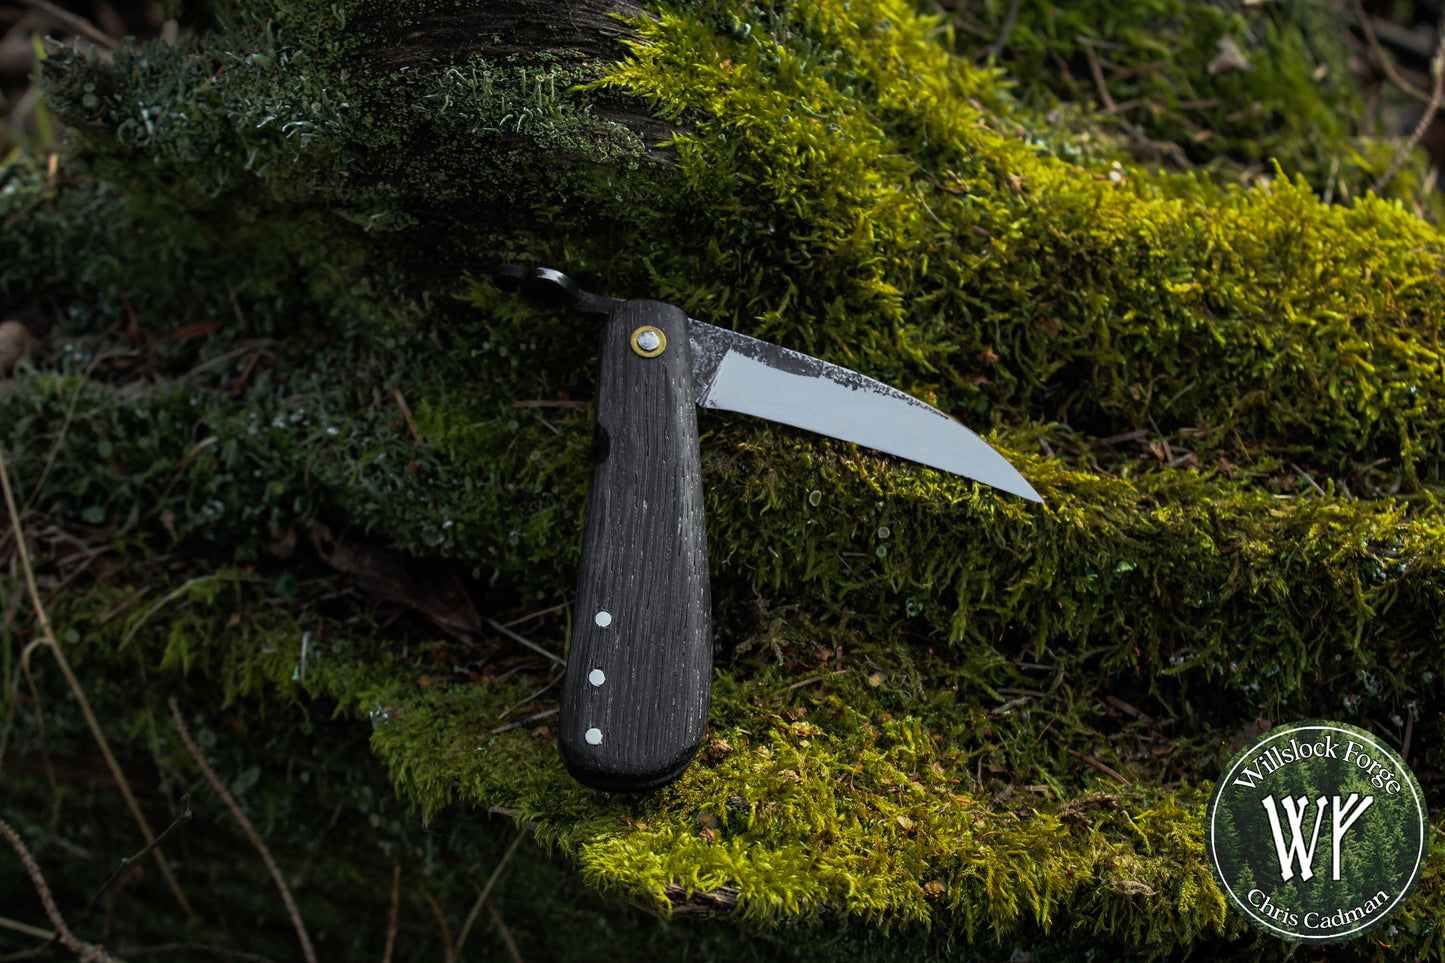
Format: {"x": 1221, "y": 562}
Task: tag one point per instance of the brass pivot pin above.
{"x": 649, "y": 341}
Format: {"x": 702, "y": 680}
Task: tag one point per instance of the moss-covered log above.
{"x": 284, "y": 452}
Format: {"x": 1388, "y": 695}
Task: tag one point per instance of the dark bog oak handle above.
{"x": 639, "y": 670}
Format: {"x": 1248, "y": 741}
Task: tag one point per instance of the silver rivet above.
{"x": 596, "y": 677}
{"x": 603, "y": 619}
{"x": 648, "y": 340}
{"x": 593, "y": 737}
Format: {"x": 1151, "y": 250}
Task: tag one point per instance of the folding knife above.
{"x": 639, "y": 670}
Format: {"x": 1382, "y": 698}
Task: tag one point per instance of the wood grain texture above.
{"x": 640, "y": 676}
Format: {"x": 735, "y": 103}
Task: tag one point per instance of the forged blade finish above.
{"x": 734, "y": 372}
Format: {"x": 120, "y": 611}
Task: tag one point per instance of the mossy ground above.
{"x": 942, "y": 717}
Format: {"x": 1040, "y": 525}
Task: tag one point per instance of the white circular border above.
{"x": 1245, "y": 754}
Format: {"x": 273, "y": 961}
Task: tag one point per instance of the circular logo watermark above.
{"x": 1316, "y": 832}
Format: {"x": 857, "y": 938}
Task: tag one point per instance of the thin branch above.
{"x": 505, "y": 934}
{"x": 392, "y": 916}
{"x": 8, "y": 924}
{"x": 997, "y": 47}
{"x": 1098, "y": 74}
{"x": 70, "y": 678}
{"x": 86, "y": 951}
{"x": 542, "y": 691}
{"x": 196, "y": 948}
{"x": 410, "y": 421}
{"x": 450, "y": 953}
{"x": 127, "y": 861}
{"x": 487, "y": 889}
{"x": 145, "y": 616}
{"x": 60, "y": 436}
{"x": 1385, "y": 61}
{"x": 1098, "y": 765}
{"x": 249, "y": 829}
{"x": 524, "y": 641}
{"x": 73, "y": 22}
{"x": 522, "y": 722}
{"x": 1437, "y": 95}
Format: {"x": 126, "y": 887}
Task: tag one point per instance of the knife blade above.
{"x": 639, "y": 668}
{"x": 734, "y": 372}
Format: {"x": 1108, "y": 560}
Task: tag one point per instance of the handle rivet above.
{"x": 596, "y": 677}
{"x": 593, "y": 737}
{"x": 649, "y": 341}
{"x": 603, "y": 619}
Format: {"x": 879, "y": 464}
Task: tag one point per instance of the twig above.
{"x": 1098, "y": 74}
{"x": 551, "y": 404}
{"x": 507, "y": 711}
{"x": 1126, "y": 436}
{"x": 1437, "y": 94}
{"x": 145, "y": 616}
{"x": 86, "y": 951}
{"x": 1098, "y": 765}
{"x": 524, "y": 641}
{"x": 1386, "y": 62}
{"x": 535, "y": 615}
{"x": 73, "y": 22}
{"x": 410, "y": 421}
{"x": 49, "y": 635}
{"x": 450, "y": 952}
{"x": 249, "y": 829}
{"x": 196, "y": 948}
{"x": 126, "y": 861}
{"x": 505, "y": 934}
{"x": 392, "y": 915}
{"x": 8, "y": 924}
{"x": 1307, "y": 477}
{"x": 997, "y": 47}
{"x": 60, "y": 436}
{"x": 816, "y": 678}
{"x": 487, "y": 889}
{"x": 522, "y": 722}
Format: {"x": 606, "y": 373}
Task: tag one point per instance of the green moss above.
{"x": 930, "y": 685}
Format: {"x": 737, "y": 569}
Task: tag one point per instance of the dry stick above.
{"x": 85, "y": 951}
{"x": 1385, "y": 61}
{"x": 1098, "y": 73}
{"x": 1437, "y": 94}
{"x": 1098, "y": 765}
{"x": 6, "y": 923}
{"x": 127, "y": 861}
{"x": 410, "y": 421}
{"x": 505, "y": 934}
{"x": 391, "y": 917}
{"x": 450, "y": 955}
{"x": 997, "y": 47}
{"x": 522, "y": 722}
{"x": 195, "y": 948}
{"x": 80, "y": 698}
{"x": 524, "y": 641}
{"x": 73, "y": 22}
{"x": 39, "y": 722}
{"x": 487, "y": 889}
{"x": 60, "y": 436}
{"x": 249, "y": 829}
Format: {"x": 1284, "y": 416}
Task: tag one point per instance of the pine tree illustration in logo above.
{"x": 1316, "y": 832}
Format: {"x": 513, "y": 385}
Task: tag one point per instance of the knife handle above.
{"x": 639, "y": 669}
